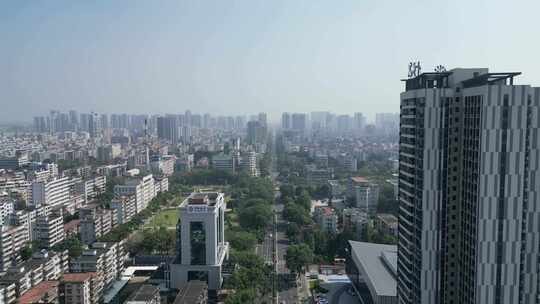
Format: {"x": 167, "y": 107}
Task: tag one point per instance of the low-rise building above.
{"x": 224, "y": 162}
{"x": 326, "y": 218}
{"x": 372, "y": 269}
{"x": 45, "y": 292}
{"x": 355, "y": 220}
{"x": 387, "y": 224}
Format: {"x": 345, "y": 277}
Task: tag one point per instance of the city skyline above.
{"x": 256, "y": 56}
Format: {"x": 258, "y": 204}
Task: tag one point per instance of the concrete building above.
{"x": 248, "y": 163}
{"x": 126, "y": 208}
{"x": 327, "y": 219}
{"x": 316, "y": 176}
{"x": 286, "y": 121}
{"x": 145, "y": 294}
{"x": 372, "y": 269}
{"x": 54, "y": 193}
{"x": 163, "y": 165}
{"x": 49, "y": 230}
{"x": 90, "y": 188}
{"x": 365, "y": 192}
{"x": 12, "y": 240}
{"x": 103, "y": 259}
{"x": 387, "y": 224}
{"x": 356, "y": 220}
{"x": 80, "y": 288}
{"x": 8, "y": 294}
{"x": 44, "y": 292}
{"x": 167, "y": 128}
{"x": 201, "y": 246}
{"x": 468, "y": 189}
{"x": 143, "y": 189}
{"x": 95, "y": 225}
{"x": 224, "y": 162}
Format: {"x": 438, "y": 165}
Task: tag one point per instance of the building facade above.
{"x": 468, "y": 189}
{"x": 201, "y": 246}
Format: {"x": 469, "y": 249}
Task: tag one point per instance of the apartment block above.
{"x": 80, "y": 288}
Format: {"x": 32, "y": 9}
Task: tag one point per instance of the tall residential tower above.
{"x": 469, "y": 213}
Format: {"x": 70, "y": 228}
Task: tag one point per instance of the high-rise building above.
{"x": 201, "y": 247}
{"x": 468, "y": 189}
{"x": 256, "y": 132}
{"x": 167, "y": 128}
{"x": 286, "y": 121}
{"x": 359, "y": 122}
{"x": 299, "y": 121}
{"x": 94, "y": 125}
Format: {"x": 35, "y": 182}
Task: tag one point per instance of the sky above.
{"x": 243, "y": 57}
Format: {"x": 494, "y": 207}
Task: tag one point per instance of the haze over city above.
{"x": 229, "y": 57}
{"x": 269, "y": 152}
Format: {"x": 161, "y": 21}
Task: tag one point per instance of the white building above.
{"x": 200, "y": 240}
{"x": 49, "y": 230}
{"x": 54, "y": 193}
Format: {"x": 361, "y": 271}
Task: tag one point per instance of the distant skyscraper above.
{"x": 344, "y": 124}
{"x": 299, "y": 121}
{"x": 84, "y": 123}
{"x": 167, "y": 128}
{"x": 104, "y": 119}
{"x": 469, "y": 213}
{"x": 74, "y": 120}
{"x": 359, "y": 122}
{"x": 262, "y": 119}
{"x": 94, "y": 125}
{"x": 286, "y": 121}
{"x": 319, "y": 120}
{"x": 40, "y": 124}
{"x": 256, "y": 132}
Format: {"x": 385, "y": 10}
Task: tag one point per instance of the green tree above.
{"x": 255, "y": 217}
{"x": 25, "y": 252}
{"x": 243, "y": 296}
{"x": 298, "y": 256}
{"x": 296, "y": 214}
{"x": 242, "y": 240}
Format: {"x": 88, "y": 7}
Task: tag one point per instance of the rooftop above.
{"x": 359, "y": 179}
{"x": 379, "y": 262}
{"x": 190, "y": 293}
{"x": 77, "y": 277}
{"x": 144, "y": 293}
{"x": 38, "y": 292}
{"x": 203, "y": 198}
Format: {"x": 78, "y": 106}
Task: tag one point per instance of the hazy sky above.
{"x": 227, "y": 57}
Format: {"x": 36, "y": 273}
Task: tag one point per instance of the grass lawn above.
{"x": 167, "y": 218}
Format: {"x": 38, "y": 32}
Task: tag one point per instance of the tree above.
{"x": 243, "y": 296}
{"x": 26, "y": 252}
{"x": 303, "y": 200}
{"x": 298, "y": 256}
{"x": 294, "y": 232}
{"x": 255, "y": 217}
{"x": 296, "y": 214}
{"x": 242, "y": 240}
